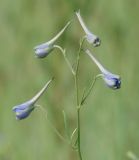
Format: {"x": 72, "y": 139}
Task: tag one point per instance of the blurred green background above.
{"x": 109, "y": 119}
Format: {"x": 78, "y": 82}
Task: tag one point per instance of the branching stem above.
{"x": 77, "y": 99}
{"x": 63, "y": 51}
{"x": 52, "y": 126}
{"x": 85, "y": 95}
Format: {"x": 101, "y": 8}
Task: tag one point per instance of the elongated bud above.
{"x": 90, "y": 37}
{"x": 44, "y": 49}
{"x": 112, "y": 80}
{"x": 23, "y": 110}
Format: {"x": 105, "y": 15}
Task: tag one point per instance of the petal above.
{"x": 23, "y": 114}
{"x": 43, "y": 52}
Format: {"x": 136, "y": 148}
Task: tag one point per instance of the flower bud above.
{"x": 112, "y": 80}
{"x": 44, "y": 49}
{"x": 90, "y": 37}
{"x": 23, "y": 110}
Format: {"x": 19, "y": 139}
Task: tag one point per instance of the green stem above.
{"x": 63, "y": 51}
{"x": 78, "y": 117}
{"x": 76, "y": 71}
{"x": 77, "y": 91}
{"x": 85, "y": 95}
{"x": 77, "y": 100}
{"x": 78, "y": 125}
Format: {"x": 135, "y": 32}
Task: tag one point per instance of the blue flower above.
{"x": 23, "y": 110}
{"x": 90, "y": 37}
{"x": 44, "y": 49}
{"x": 112, "y": 80}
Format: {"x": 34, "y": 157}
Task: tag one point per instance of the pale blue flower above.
{"x": 112, "y": 80}
{"x": 23, "y": 110}
{"x": 90, "y": 37}
{"x": 44, "y": 49}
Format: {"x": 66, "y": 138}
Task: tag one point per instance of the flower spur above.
{"x": 44, "y": 49}
{"x": 23, "y": 110}
{"x": 112, "y": 80}
{"x": 90, "y": 37}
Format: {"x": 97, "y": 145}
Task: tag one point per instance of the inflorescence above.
{"x": 113, "y": 81}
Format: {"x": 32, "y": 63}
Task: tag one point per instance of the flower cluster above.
{"x": 41, "y": 51}
{"x": 113, "y": 81}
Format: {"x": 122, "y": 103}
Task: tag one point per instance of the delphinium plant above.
{"x": 111, "y": 80}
